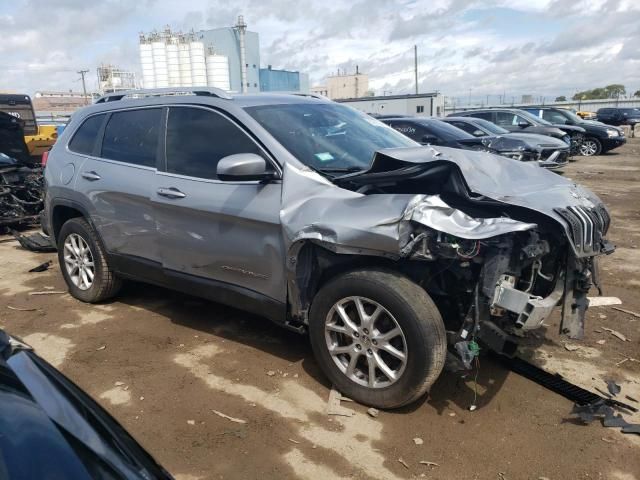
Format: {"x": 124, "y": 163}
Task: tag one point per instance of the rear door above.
{"x": 117, "y": 180}
{"x": 226, "y": 232}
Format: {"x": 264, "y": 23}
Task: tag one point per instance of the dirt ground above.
{"x": 162, "y": 362}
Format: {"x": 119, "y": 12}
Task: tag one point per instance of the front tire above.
{"x": 84, "y": 264}
{"x": 590, "y": 147}
{"x": 378, "y": 337}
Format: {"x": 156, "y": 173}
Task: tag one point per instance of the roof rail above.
{"x": 159, "y": 92}
{"x": 312, "y": 95}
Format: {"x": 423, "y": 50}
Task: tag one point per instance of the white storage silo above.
{"x": 184, "y": 58}
{"x": 160, "y": 68}
{"x": 218, "y": 71}
{"x": 146, "y": 61}
{"x": 173, "y": 63}
{"x": 198, "y": 64}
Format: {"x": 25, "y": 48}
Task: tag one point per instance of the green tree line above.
{"x": 610, "y": 91}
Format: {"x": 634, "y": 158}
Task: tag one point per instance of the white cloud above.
{"x": 541, "y": 47}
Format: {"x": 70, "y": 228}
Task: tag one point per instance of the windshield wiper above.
{"x": 340, "y": 170}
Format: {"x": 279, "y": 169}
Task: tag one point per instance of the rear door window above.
{"x": 554, "y": 117}
{"x": 197, "y": 139}
{"x": 506, "y": 119}
{"x": 84, "y": 139}
{"x": 483, "y": 115}
{"x": 469, "y": 128}
{"x": 131, "y": 136}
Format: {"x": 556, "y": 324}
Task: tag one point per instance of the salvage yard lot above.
{"x": 162, "y": 362}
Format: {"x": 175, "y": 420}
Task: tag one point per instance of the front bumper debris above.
{"x": 531, "y": 310}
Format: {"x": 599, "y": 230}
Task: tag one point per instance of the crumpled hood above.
{"x": 317, "y": 209}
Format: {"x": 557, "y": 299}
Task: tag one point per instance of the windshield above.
{"x": 328, "y": 137}
{"x": 446, "y": 131}
{"x": 571, "y": 116}
{"x": 533, "y": 118}
{"x": 490, "y": 126}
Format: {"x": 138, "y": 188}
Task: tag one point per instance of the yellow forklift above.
{"x": 39, "y": 138}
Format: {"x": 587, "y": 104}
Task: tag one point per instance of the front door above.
{"x": 227, "y": 232}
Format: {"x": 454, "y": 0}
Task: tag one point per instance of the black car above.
{"x": 50, "y": 428}
{"x": 516, "y": 120}
{"x": 598, "y": 138}
{"x": 619, "y": 116}
{"x": 431, "y": 131}
{"x": 529, "y": 147}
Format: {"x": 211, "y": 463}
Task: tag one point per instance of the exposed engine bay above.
{"x": 495, "y": 258}
{"x": 21, "y": 182}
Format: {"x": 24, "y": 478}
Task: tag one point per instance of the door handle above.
{"x": 91, "y": 176}
{"x": 171, "y": 192}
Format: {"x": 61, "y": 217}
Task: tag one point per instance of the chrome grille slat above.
{"x": 587, "y": 226}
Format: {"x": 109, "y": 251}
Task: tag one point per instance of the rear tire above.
{"x": 396, "y": 303}
{"x": 590, "y": 147}
{"x": 84, "y": 264}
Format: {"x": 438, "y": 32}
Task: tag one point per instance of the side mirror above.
{"x": 479, "y": 133}
{"x": 523, "y": 124}
{"x": 243, "y": 167}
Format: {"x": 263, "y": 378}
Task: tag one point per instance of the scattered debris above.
{"x": 101, "y": 347}
{"x": 119, "y": 384}
{"x": 452, "y": 414}
{"x": 418, "y": 441}
{"x": 141, "y": 398}
{"x": 629, "y": 312}
{"x": 601, "y": 341}
{"x": 559, "y": 385}
{"x": 37, "y": 242}
{"x": 429, "y": 464}
{"x": 404, "y": 464}
{"x": 294, "y": 441}
{"x": 602, "y": 411}
{"x": 22, "y": 309}
{"x": 236, "y": 420}
{"x": 603, "y": 301}
{"x": 271, "y": 373}
{"x": 616, "y": 334}
{"x": 191, "y": 422}
{"x": 571, "y": 347}
{"x": 608, "y": 440}
{"x": 628, "y": 359}
{"x": 41, "y": 268}
{"x": 334, "y": 407}
{"x": 613, "y": 387}
{"x": 629, "y": 397}
{"x": 602, "y": 315}
{"x": 48, "y": 292}
{"x": 373, "y": 412}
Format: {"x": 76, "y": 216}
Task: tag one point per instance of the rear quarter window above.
{"x": 84, "y": 139}
{"x": 132, "y": 136}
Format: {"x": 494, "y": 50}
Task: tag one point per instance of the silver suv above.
{"x": 391, "y": 255}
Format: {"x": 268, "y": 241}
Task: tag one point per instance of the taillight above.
{"x": 45, "y": 157}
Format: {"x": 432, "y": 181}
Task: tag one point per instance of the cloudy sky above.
{"x": 466, "y": 47}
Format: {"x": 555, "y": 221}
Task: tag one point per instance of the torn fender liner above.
{"x": 317, "y": 210}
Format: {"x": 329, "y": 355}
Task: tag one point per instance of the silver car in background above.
{"x": 389, "y": 254}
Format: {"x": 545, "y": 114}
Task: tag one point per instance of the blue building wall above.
{"x": 279, "y": 80}
{"x": 225, "y": 42}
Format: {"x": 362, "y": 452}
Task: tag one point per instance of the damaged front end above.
{"x": 496, "y": 254}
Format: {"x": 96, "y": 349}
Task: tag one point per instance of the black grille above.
{"x": 587, "y": 226}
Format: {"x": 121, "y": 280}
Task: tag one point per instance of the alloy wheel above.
{"x": 366, "y": 342}
{"x": 588, "y": 148}
{"x": 78, "y": 261}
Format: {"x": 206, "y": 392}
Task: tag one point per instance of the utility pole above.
{"x": 84, "y": 85}
{"x": 415, "y": 61}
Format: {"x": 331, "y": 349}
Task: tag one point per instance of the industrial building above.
{"x": 272, "y": 80}
{"x": 171, "y": 59}
{"x": 47, "y": 103}
{"x": 421, "y": 105}
{"x": 226, "y": 58}
{"x": 344, "y": 85}
{"x": 113, "y": 79}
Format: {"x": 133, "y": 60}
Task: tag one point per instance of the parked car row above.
{"x": 478, "y": 134}
{"x": 392, "y": 256}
